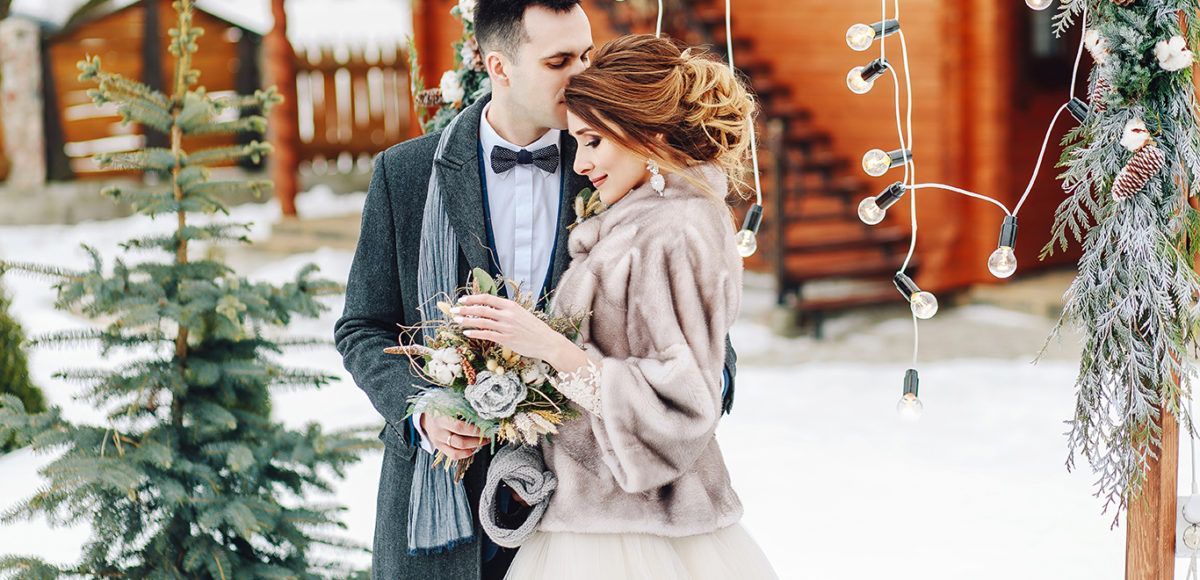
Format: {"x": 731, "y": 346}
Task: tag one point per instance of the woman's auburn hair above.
{"x": 661, "y": 100}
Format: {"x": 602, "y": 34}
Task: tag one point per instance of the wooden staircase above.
{"x": 824, "y": 259}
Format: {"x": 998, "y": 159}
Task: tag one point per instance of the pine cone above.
{"x": 1137, "y": 172}
{"x": 430, "y": 97}
{"x": 1096, "y": 99}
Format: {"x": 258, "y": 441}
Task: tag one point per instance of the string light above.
{"x": 860, "y": 37}
{"x": 910, "y": 406}
{"x": 924, "y": 304}
{"x": 873, "y": 209}
{"x": 860, "y": 79}
{"x": 876, "y": 162}
{"x": 1003, "y": 262}
{"x": 1078, "y": 109}
{"x": 746, "y": 239}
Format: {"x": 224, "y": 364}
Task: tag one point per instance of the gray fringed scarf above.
{"x": 439, "y": 515}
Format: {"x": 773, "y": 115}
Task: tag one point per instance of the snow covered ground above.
{"x": 835, "y": 486}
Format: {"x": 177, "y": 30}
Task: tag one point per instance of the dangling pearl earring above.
{"x": 657, "y": 181}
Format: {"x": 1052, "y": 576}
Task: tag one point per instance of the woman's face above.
{"x": 613, "y": 170}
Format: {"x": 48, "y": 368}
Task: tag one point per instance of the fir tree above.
{"x": 14, "y": 368}
{"x": 1135, "y": 297}
{"x": 189, "y": 477}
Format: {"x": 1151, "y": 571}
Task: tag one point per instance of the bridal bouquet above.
{"x": 510, "y": 398}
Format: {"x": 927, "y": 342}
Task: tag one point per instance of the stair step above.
{"x": 786, "y": 110}
{"x": 850, "y": 240}
{"x": 798, "y": 272}
{"x": 823, "y": 160}
{"x": 827, "y": 305}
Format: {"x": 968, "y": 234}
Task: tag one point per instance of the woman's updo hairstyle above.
{"x": 641, "y": 89}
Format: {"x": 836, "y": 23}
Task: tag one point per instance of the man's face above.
{"x": 559, "y": 47}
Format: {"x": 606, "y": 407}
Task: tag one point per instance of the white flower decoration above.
{"x": 452, "y": 90}
{"x": 470, "y": 54}
{"x": 1134, "y": 135}
{"x": 448, "y": 356}
{"x": 444, "y": 366}
{"x": 1096, "y": 45}
{"x": 1173, "y": 53}
{"x": 535, "y": 374}
{"x": 467, "y": 9}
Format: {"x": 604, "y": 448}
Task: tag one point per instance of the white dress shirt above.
{"x": 523, "y": 205}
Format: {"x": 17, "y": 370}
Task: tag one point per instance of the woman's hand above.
{"x": 507, "y": 324}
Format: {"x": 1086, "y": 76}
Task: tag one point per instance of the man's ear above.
{"x": 497, "y": 68}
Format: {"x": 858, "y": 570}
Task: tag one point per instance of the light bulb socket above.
{"x": 885, "y": 28}
{"x": 900, "y": 156}
{"x": 753, "y": 218}
{"x": 874, "y": 69}
{"x": 905, "y": 285}
{"x": 1008, "y": 232}
{"x": 1079, "y": 109}
{"x": 911, "y": 381}
{"x": 888, "y": 197}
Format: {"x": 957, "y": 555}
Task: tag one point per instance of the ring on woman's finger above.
{"x": 449, "y": 439}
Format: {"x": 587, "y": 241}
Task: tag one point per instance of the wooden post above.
{"x": 1150, "y": 539}
{"x": 283, "y": 125}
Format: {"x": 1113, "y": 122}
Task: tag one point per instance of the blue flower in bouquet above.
{"x": 496, "y": 395}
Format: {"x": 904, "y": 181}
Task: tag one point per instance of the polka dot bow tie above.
{"x": 504, "y": 159}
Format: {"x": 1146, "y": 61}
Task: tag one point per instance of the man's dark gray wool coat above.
{"x": 382, "y": 293}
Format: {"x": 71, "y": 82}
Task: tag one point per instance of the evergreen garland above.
{"x": 14, "y": 369}
{"x": 460, "y": 87}
{"x": 1135, "y": 296}
{"x": 188, "y": 477}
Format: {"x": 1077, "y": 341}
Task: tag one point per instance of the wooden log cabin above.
{"x": 987, "y": 77}
{"x": 353, "y": 101}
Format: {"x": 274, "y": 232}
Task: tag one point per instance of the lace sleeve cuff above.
{"x": 582, "y": 387}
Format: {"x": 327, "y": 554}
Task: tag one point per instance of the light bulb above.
{"x": 869, "y": 212}
{"x": 876, "y": 162}
{"x": 910, "y": 407}
{"x": 1002, "y": 263}
{"x": 857, "y": 83}
{"x": 924, "y": 305}
{"x": 747, "y": 243}
{"x": 860, "y": 36}
{"x": 1039, "y": 4}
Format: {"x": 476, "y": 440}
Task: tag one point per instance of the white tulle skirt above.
{"x": 726, "y": 553}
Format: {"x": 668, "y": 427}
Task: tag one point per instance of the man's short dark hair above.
{"x": 500, "y": 24}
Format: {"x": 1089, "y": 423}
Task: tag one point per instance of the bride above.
{"x": 643, "y": 491}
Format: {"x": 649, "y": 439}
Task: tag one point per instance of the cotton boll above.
{"x": 452, "y": 90}
{"x": 1096, "y": 45}
{"x": 1134, "y": 135}
{"x": 1173, "y": 54}
{"x": 467, "y": 8}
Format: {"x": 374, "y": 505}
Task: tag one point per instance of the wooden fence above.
{"x": 352, "y": 104}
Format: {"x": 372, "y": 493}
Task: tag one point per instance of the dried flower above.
{"x": 496, "y": 395}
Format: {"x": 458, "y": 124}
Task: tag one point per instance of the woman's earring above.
{"x": 657, "y": 181}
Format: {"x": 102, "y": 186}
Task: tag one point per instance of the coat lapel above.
{"x": 462, "y": 187}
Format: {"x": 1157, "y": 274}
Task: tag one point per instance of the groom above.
{"x": 505, "y": 174}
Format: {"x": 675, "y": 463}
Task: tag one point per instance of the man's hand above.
{"x": 454, "y": 438}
